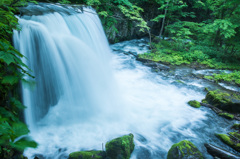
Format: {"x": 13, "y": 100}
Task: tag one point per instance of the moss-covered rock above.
{"x": 236, "y": 127}
{"x": 227, "y": 115}
{"x": 235, "y": 134}
{"x": 227, "y": 140}
{"x": 194, "y": 104}
{"x": 87, "y": 155}
{"x": 120, "y": 148}
{"x": 223, "y": 100}
{"x": 184, "y": 150}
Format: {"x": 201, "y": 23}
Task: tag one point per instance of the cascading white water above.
{"x": 84, "y": 95}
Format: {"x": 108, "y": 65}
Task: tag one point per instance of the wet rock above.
{"x": 143, "y": 153}
{"x": 39, "y": 156}
{"x": 120, "y": 148}
{"x": 227, "y": 115}
{"x": 236, "y": 127}
{"x": 184, "y": 150}
{"x": 229, "y": 102}
{"x": 194, "y": 104}
{"x": 88, "y": 155}
{"x": 220, "y": 153}
{"x": 232, "y": 140}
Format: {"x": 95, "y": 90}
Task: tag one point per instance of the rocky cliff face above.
{"x": 127, "y": 30}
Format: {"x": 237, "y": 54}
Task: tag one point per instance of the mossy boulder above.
{"x": 229, "y": 102}
{"x": 120, "y": 148}
{"x": 227, "y": 140}
{"x": 236, "y": 127}
{"x": 194, "y": 104}
{"x": 87, "y": 155}
{"x": 184, "y": 150}
{"x": 227, "y": 115}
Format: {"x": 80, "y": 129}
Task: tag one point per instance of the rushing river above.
{"x": 87, "y": 93}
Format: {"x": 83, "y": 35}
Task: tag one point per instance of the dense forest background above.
{"x": 205, "y": 32}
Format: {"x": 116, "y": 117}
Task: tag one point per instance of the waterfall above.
{"x": 84, "y": 94}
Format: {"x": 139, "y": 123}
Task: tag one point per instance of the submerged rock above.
{"x": 218, "y": 152}
{"x": 120, "y": 148}
{"x": 87, "y": 155}
{"x": 229, "y": 102}
{"x": 184, "y": 150}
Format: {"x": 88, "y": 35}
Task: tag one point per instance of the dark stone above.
{"x": 120, "y": 148}
{"x": 39, "y": 156}
{"x": 184, "y": 150}
{"x": 218, "y": 152}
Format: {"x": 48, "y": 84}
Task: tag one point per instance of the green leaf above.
{"x": 24, "y": 143}
{"x": 10, "y": 80}
{"x": 17, "y": 103}
{"x": 6, "y": 57}
{"x": 19, "y": 129}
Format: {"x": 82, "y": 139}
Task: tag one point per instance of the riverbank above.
{"x": 224, "y": 101}
{"x": 185, "y": 53}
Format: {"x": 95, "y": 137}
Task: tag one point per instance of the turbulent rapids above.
{"x": 85, "y": 94}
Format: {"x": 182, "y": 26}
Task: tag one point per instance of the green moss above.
{"x": 204, "y": 101}
{"x": 87, "y": 155}
{"x": 227, "y": 140}
{"x": 236, "y": 126}
{"x": 226, "y": 101}
{"x": 121, "y": 147}
{"x": 194, "y": 104}
{"x": 236, "y": 134}
{"x": 184, "y": 148}
{"x": 227, "y": 115}
{"x": 218, "y": 97}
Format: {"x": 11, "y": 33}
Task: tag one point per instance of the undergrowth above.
{"x": 188, "y": 53}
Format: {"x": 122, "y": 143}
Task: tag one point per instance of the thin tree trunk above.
{"x": 150, "y": 39}
{"x": 163, "y": 21}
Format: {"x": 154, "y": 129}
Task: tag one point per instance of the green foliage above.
{"x": 13, "y": 133}
{"x": 177, "y": 52}
{"x": 233, "y": 77}
{"x": 64, "y": 2}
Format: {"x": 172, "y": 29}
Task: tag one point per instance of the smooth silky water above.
{"x": 84, "y": 94}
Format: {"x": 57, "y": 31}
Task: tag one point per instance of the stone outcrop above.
{"x": 184, "y": 150}
{"x": 120, "y": 148}
{"x": 229, "y": 102}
